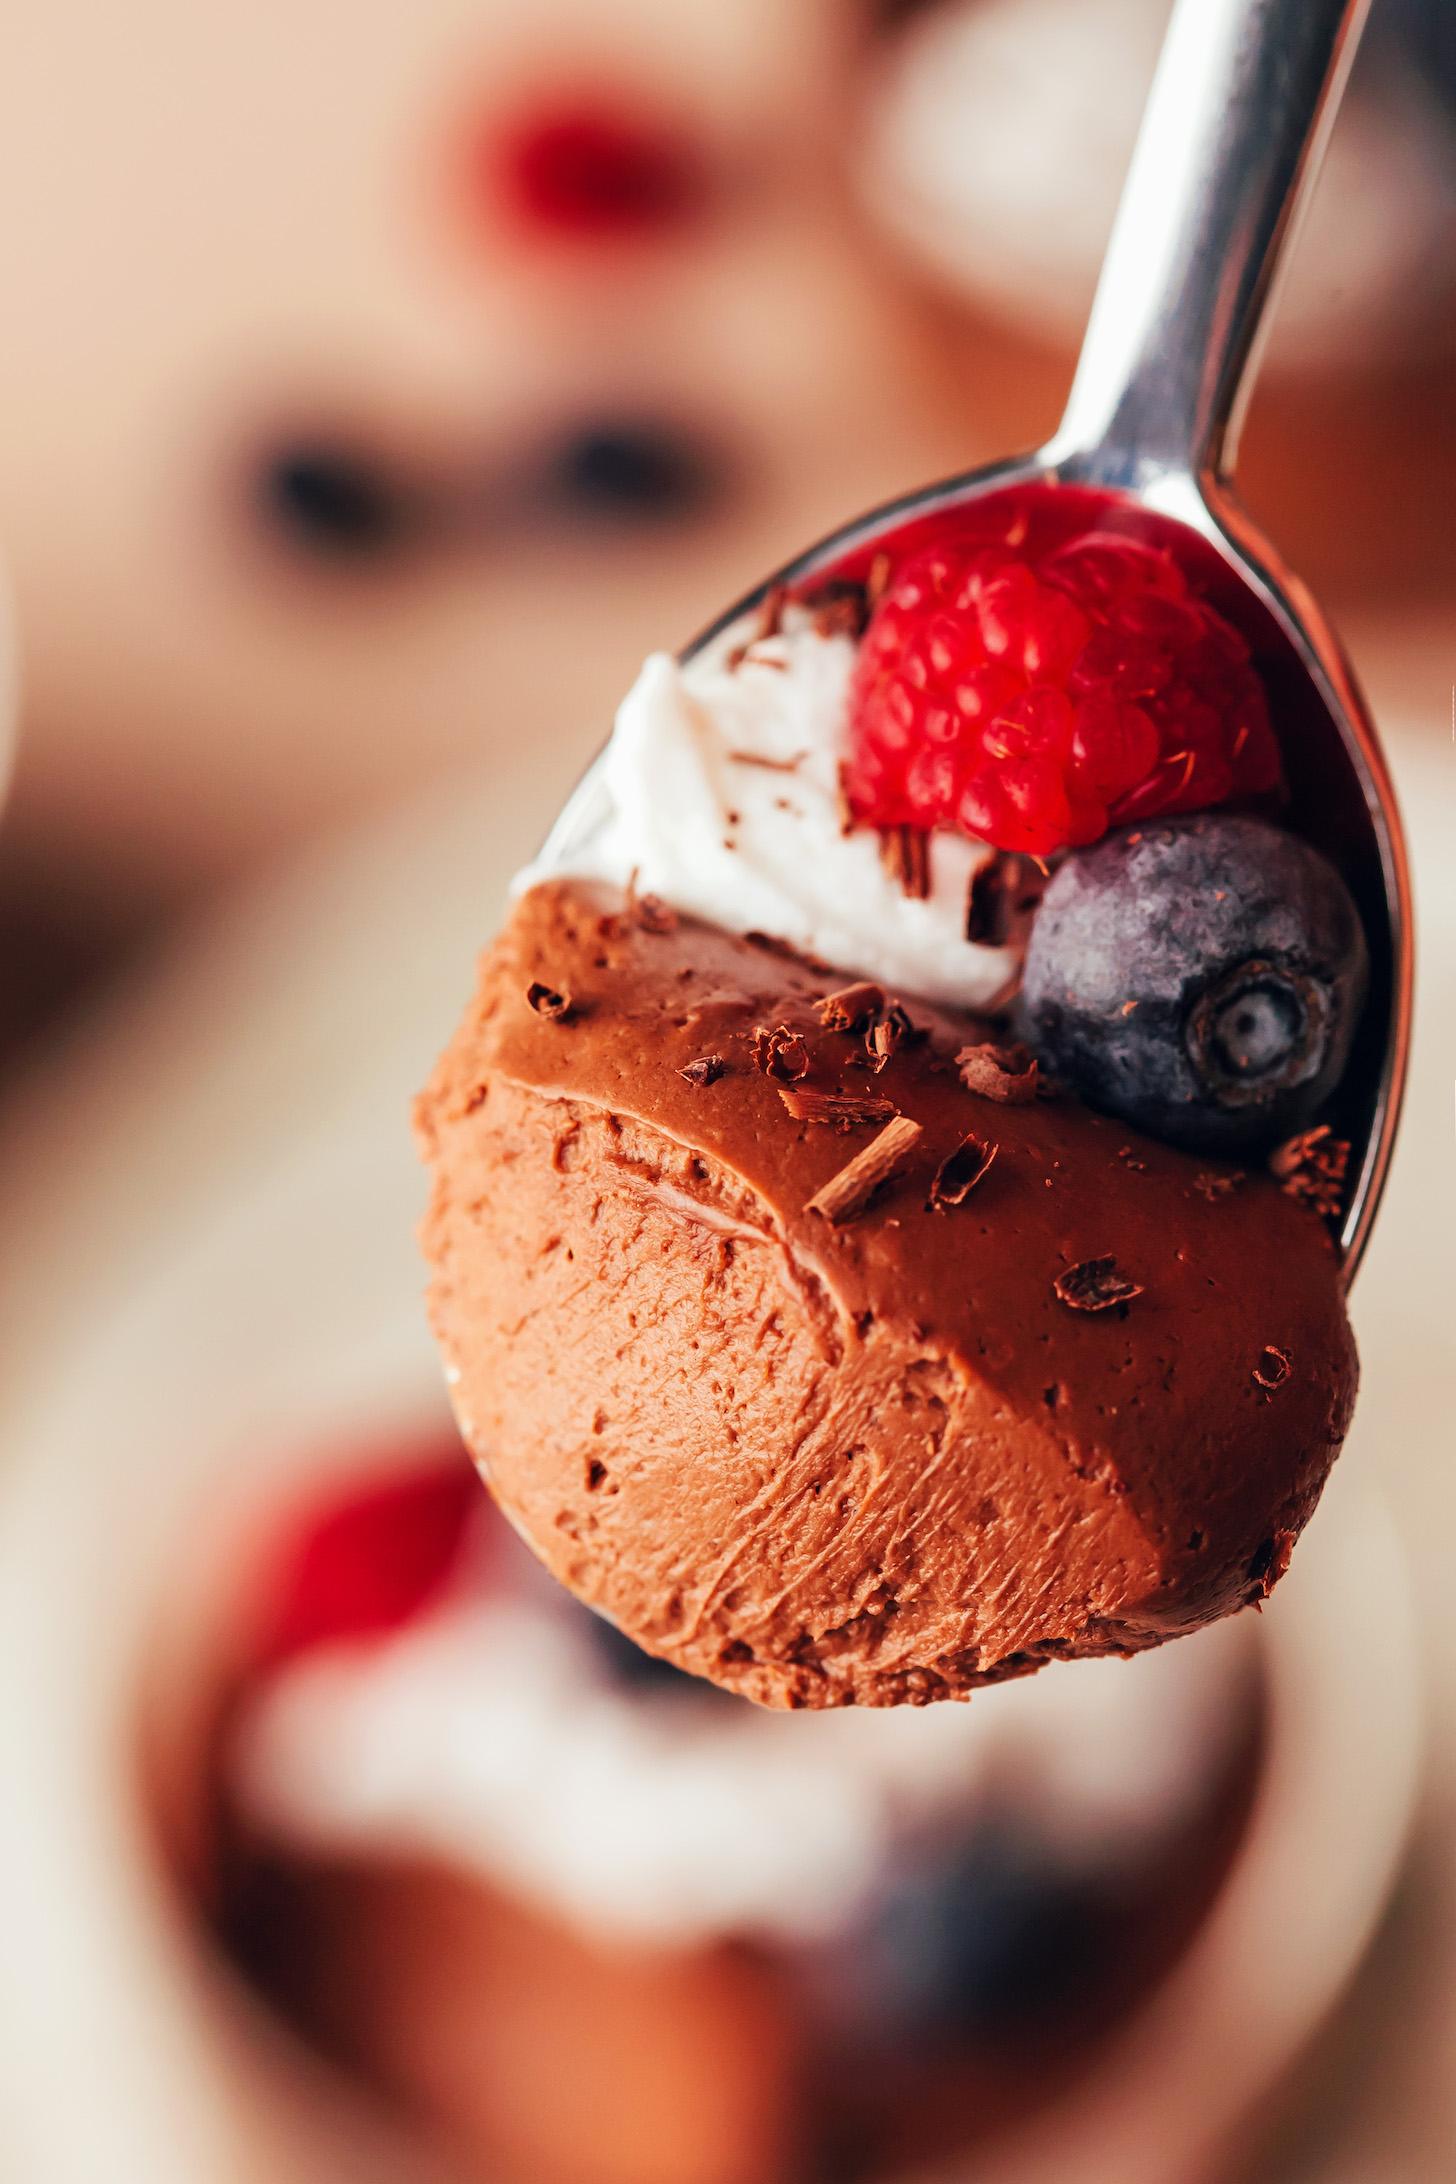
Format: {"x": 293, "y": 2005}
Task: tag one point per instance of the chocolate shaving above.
{"x": 771, "y": 613}
{"x": 1095, "y": 1285}
{"x": 707, "y": 1069}
{"x": 768, "y": 622}
{"x": 1274, "y": 1366}
{"x": 842, "y": 1109}
{"x": 844, "y": 809}
{"x": 1004, "y": 892}
{"x": 852, "y": 1008}
{"x": 841, "y": 609}
{"x": 653, "y": 914}
{"x": 1212, "y": 1187}
{"x": 889, "y": 1031}
{"x": 905, "y": 855}
{"x": 960, "y": 1172}
{"x": 1007, "y": 1074}
{"x": 769, "y": 765}
{"x": 780, "y": 1052}
{"x": 547, "y": 1002}
{"x": 1270, "y": 1560}
{"x": 845, "y": 1196}
{"x": 1312, "y": 1168}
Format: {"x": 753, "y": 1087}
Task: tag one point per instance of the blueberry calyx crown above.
{"x": 1262, "y": 1027}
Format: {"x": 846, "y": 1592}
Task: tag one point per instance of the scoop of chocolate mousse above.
{"x": 806, "y": 1339}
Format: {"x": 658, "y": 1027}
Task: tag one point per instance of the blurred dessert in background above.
{"x": 470, "y": 1831}
{"x": 996, "y": 135}
{"x": 1019, "y": 217}
{"x": 515, "y": 308}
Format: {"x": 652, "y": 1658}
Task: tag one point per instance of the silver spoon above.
{"x": 1236, "y": 121}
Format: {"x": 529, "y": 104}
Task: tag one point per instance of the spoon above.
{"x": 1237, "y": 118}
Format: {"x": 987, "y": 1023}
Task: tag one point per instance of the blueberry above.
{"x": 627, "y": 470}
{"x": 333, "y": 500}
{"x": 641, "y": 1672}
{"x": 1202, "y": 978}
{"x": 986, "y": 1936}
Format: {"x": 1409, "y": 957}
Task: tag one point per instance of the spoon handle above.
{"x": 1236, "y": 121}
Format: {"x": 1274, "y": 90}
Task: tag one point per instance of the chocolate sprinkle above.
{"x": 852, "y": 1008}
{"x": 846, "y": 1195}
{"x": 707, "y": 1069}
{"x": 960, "y": 1172}
{"x": 547, "y": 1002}
{"x": 842, "y": 1109}
{"x": 1095, "y": 1285}
{"x": 1006, "y": 1074}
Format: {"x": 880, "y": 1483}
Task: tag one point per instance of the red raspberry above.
{"x": 592, "y": 171}
{"x": 1035, "y": 701}
{"x": 369, "y": 1564}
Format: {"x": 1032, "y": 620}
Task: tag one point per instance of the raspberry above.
{"x": 587, "y": 170}
{"x": 1036, "y": 701}
{"x": 369, "y": 1564}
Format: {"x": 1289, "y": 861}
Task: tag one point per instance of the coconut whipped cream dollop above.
{"x": 493, "y": 1735}
{"x": 719, "y": 793}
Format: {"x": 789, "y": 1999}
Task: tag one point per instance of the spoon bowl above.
{"x": 1244, "y": 96}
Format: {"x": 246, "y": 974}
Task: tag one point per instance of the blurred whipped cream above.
{"x": 494, "y": 1736}
{"x": 719, "y": 791}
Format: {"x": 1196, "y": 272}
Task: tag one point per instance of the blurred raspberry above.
{"x": 369, "y": 1564}
{"x": 592, "y": 171}
{"x": 1037, "y": 701}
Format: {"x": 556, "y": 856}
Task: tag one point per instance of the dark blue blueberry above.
{"x": 642, "y": 1672}
{"x": 988, "y": 1937}
{"x": 628, "y": 471}
{"x": 1202, "y": 978}
{"x": 332, "y": 500}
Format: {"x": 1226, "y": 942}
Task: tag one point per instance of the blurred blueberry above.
{"x": 332, "y": 500}
{"x": 643, "y": 1673}
{"x": 627, "y": 471}
{"x": 1423, "y": 33}
{"x": 985, "y": 1936}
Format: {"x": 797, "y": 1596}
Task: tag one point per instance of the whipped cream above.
{"x": 719, "y": 792}
{"x": 493, "y": 1736}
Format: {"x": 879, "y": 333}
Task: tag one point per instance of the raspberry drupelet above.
{"x": 1035, "y": 701}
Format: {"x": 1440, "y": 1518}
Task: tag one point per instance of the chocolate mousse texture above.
{"x": 811, "y": 1339}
